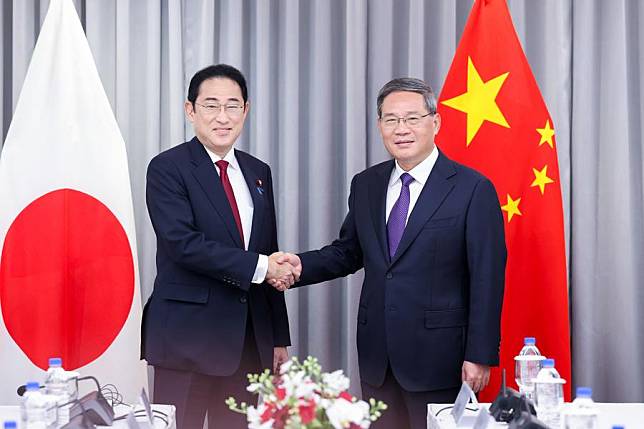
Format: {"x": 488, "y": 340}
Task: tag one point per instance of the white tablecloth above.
{"x": 630, "y": 415}
{"x": 12, "y": 412}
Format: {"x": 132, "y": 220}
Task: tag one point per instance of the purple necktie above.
{"x": 398, "y": 215}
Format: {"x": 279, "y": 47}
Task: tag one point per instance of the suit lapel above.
{"x": 378, "y": 199}
{"x": 436, "y": 189}
{"x": 255, "y": 185}
{"x": 206, "y": 174}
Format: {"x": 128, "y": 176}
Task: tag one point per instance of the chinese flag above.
{"x": 495, "y": 121}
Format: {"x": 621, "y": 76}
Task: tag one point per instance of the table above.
{"x": 12, "y": 412}
{"x": 629, "y": 415}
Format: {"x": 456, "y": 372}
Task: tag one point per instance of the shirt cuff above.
{"x": 260, "y": 270}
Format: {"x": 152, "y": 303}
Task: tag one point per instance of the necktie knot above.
{"x": 222, "y": 164}
{"x": 406, "y": 179}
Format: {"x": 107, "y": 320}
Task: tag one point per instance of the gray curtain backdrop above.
{"x": 314, "y": 68}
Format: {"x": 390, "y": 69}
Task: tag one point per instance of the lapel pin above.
{"x": 259, "y": 184}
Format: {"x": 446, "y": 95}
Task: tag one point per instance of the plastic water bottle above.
{"x": 548, "y": 389}
{"x": 57, "y": 384}
{"x": 526, "y": 366}
{"x": 582, "y": 413}
{"x": 34, "y": 408}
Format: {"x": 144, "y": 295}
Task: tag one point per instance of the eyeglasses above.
{"x": 232, "y": 110}
{"x": 391, "y": 122}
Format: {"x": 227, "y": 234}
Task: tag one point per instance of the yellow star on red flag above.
{"x": 546, "y": 134}
{"x": 512, "y": 207}
{"x": 479, "y": 102}
{"x": 541, "y": 179}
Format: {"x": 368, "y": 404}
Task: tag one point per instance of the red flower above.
{"x": 307, "y": 411}
{"x": 354, "y": 426}
{"x": 280, "y": 392}
{"x": 268, "y": 412}
{"x": 280, "y": 416}
{"x": 346, "y": 396}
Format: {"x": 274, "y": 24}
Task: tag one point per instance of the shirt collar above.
{"x": 230, "y": 157}
{"x": 420, "y": 173}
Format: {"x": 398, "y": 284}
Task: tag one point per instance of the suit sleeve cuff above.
{"x": 260, "y": 270}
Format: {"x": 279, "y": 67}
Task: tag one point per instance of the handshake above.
{"x": 284, "y": 269}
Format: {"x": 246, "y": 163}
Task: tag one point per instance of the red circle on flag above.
{"x": 66, "y": 279}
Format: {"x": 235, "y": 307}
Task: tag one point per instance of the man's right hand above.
{"x": 280, "y": 275}
{"x": 283, "y": 270}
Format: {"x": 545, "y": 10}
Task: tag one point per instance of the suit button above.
{"x": 390, "y": 276}
{"x": 243, "y": 300}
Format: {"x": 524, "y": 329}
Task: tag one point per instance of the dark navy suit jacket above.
{"x": 438, "y": 301}
{"x": 195, "y": 319}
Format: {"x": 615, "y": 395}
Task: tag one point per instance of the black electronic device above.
{"x": 95, "y": 408}
{"x": 525, "y": 420}
{"x": 79, "y": 422}
{"x": 509, "y": 404}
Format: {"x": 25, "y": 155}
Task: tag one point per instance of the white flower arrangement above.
{"x": 302, "y": 396}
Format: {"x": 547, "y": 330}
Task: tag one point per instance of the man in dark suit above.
{"x": 429, "y": 234}
{"x": 211, "y": 318}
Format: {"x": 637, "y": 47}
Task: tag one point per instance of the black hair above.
{"x": 216, "y": 71}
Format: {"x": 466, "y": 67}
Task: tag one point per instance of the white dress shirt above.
{"x": 420, "y": 173}
{"x": 244, "y": 205}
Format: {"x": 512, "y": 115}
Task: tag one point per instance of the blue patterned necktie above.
{"x": 398, "y": 215}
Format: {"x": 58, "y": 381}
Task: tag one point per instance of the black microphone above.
{"x": 22, "y": 389}
{"x": 509, "y": 404}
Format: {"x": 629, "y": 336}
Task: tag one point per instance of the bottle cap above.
{"x": 10, "y": 424}
{"x": 584, "y": 392}
{"x": 529, "y": 341}
{"x": 55, "y": 362}
{"x": 548, "y": 363}
{"x": 32, "y": 385}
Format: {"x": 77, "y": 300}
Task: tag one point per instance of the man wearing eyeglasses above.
{"x": 429, "y": 234}
{"x": 211, "y": 318}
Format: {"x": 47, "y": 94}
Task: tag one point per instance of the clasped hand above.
{"x": 284, "y": 269}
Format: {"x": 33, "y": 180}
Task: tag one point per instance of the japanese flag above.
{"x": 69, "y": 284}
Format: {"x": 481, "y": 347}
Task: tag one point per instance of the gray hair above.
{"x": 408, "y": 84}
